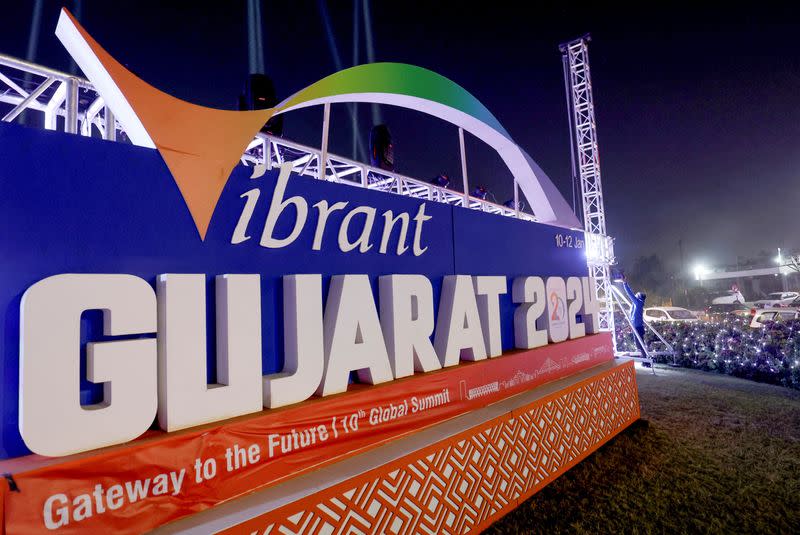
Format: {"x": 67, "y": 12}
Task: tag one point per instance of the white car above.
{"x": 776, "y": 299}
{"x": 675, "y": 314}
{"x": 773, "y": 314}
{"x": 728, "y": 297}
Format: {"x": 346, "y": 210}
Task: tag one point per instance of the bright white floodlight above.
{"x": 700, "y": 271}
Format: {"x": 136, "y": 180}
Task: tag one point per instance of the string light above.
{"x": 769, "y": 353}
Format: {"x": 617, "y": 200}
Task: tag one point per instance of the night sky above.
{"x": 697, "y": 108}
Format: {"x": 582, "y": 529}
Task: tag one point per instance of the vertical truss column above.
{"x": 583, "y": 128}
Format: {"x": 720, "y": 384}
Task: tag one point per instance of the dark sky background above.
{"x": 697, "y": 107}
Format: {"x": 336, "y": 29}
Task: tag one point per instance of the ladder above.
{"x": 625, "y": 306}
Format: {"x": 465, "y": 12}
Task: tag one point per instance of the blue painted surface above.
{"x": 92, "y": 206}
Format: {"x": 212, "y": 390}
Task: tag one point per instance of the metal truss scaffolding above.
{"x": 53, "y": 100}
{"x": 586, "y": 167}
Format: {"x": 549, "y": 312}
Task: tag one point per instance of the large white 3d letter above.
{"x": 303, "y": 360}
{"x": 276, "y": 208}
{"x": 487, "y": 294}
{"x": 591, "y": 308}
{"x": 407, "y": 321}
{"x": 51, "y": 419}
{"x": 184, "y": 397}
{"x": 458, "y": 325}
{"x": 557, "y": 325}
{"x": 530, "y": 326}
{"x": 353, "y": 338}
{"x": 575, "y": 307}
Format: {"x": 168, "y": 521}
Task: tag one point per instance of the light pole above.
{"x": 699, "y": 272}
{"x": 781, "y": 271}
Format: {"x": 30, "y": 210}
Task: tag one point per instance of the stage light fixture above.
{"x": 381, "y": 149}
{"x": 259, "y": 94}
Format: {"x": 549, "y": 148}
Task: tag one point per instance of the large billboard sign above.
{"x": 117, "y": 312}
{"x": 119, "y": 321}
{"x": 216, "y": 327}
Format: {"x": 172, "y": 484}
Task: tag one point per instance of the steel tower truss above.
{"x": 586, "y": 167}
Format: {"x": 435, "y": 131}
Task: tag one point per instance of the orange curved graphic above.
{"x": 199, "y": 157}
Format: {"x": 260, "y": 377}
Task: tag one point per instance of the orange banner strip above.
{"x": 469, "y": 480}
{"x": 164, "y": 477}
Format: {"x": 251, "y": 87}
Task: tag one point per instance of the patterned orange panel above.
{"x": 464, "y": 483}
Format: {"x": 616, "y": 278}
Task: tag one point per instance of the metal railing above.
{"x": 274, "y": 151}
{"x": 54, "y": 100}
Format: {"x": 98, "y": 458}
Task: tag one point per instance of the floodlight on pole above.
{"x": 700, "y": 271}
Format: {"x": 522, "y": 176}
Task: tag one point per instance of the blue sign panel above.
{"x": 75, "y": 205}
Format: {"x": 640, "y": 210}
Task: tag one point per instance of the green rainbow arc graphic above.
{"x": 416, "y": 88}
{"x": 398, "y": 79}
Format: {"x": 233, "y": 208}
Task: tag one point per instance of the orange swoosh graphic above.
{"x": 200, "y": 145}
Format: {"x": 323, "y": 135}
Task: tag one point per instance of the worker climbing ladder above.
{"x": 622, "y": 303}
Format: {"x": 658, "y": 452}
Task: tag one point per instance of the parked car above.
{"x": 777, "y": 299}
{"x": 727, "y": 297}
{"x": 762, "y": 316}
{"x": 675, "y": 314}
{"x": 720, "y": 312}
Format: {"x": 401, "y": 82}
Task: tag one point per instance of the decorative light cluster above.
{"x": 768, "y": 354}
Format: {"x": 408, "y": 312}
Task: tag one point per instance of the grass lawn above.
{"x": 712, "y": 454}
